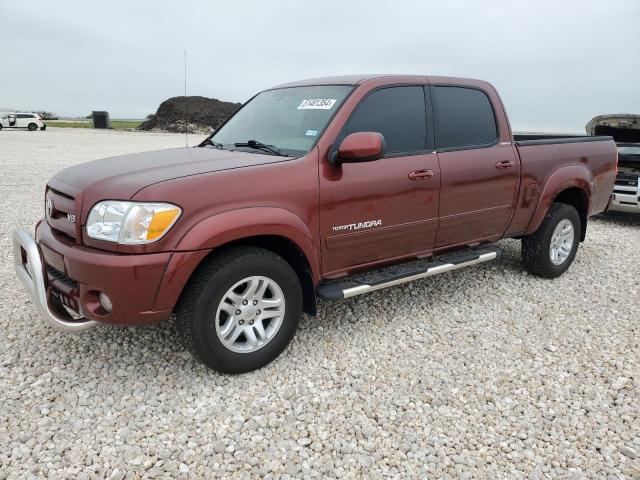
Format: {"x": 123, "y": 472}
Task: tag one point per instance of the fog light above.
{"x": 105, "y": 301}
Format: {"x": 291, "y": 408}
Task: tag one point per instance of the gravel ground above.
{"x": 484, "y": 373}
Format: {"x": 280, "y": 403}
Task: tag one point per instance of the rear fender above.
{"x": 234, "y": 225}
{"x": 566, "y": 177}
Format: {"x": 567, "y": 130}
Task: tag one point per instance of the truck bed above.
{"x": 525, "y": 139}
{"x": 587, "y": 161}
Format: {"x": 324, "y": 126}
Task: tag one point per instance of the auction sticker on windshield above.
{"x": 317, "y": 104}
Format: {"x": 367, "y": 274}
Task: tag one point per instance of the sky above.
{"x": 555, "y": 63}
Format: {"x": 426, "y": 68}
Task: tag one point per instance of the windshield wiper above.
{"x": 208, "y": 141}
{"x": 261, "y": 146}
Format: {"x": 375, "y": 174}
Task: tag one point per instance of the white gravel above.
{"x": 484, "y": 373}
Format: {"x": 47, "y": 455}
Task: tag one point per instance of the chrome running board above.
{"x": 405, "y": 272}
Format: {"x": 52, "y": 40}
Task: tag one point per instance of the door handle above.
{"x": 420, "y": 174}
{"x": 505, "y": 164}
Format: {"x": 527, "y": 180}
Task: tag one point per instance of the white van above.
{"x": 30, "y": 121}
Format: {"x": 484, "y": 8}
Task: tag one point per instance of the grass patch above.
{"x": 115, "y": 124}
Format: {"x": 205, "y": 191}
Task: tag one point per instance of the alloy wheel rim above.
{"x": 561, "y": 242}
{"x": 250, "y": 314}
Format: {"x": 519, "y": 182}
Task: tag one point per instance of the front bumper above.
{"x": 625, "y": 202}
{"x": 61, "y": 276}
{"x": 627, "y": 192}
{"x": 30, "y": 271}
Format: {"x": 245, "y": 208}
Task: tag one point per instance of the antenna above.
{"x": 186, "y": 130}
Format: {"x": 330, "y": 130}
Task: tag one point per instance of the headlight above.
{"x": 131, "y": 222}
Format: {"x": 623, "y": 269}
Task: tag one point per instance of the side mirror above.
{"x": 360, "y": 147}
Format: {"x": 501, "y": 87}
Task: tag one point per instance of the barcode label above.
{"x": 317, "y": 104}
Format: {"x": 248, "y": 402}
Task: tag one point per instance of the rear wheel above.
{"x": 240, "y": 309}
{"x": 32, "y": 127}
{"x": 551, "y": 249}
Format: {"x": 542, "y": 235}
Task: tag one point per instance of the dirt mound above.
{"x": 202, "y": 114}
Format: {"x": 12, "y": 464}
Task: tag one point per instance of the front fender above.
{"x": 566, "y": 177}
{"x": 234, "y": 225}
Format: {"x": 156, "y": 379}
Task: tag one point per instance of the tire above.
{"x": 32, "y": 127}
{"x": 205, "y": 307}
{"x": 0, "y": 126}
{"x": 537, "y": 252}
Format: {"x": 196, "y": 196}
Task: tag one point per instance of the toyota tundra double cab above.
{"x": 325, "y": 188}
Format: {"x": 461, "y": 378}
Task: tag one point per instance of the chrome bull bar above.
{"x": 30, "y": 270}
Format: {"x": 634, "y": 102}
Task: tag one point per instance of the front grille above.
{"x": 60, "y": 208}
{"x": 627, "y": 179}
{"x": 61, "y": 277}
{"x": 629, "y": 157}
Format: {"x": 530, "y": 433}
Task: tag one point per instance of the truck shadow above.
{"x": 435, "y": 291}
{"x": 619, "y": 218}
{"x": 158, "y": 347}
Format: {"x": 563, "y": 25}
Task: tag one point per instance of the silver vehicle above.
{"x": 627, "y": 188}
{"x": 29, "y": 121}
{"x": 625, "y": 130}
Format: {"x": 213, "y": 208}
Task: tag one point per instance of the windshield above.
{"x": 289, "y": 119}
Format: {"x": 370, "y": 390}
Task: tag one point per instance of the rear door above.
{"x": 381, "y": 210}
{"x": 479, "y": 169}
{"x": 22, "y": 120}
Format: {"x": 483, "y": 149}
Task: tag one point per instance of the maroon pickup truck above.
{"x": 325, "y": 188}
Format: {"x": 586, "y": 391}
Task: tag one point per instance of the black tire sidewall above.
{"x": 205, "y": 339}
{"x": 563, "y": 212}
{"x": 32, "y": 127}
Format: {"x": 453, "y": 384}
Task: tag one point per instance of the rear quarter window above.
{"x": 464, "y": 118}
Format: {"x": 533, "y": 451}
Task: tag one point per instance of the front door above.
{"x": 382, "y": 210}
{"x": 479, "y": 171}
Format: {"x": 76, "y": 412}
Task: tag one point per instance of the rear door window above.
{"x": 464, "y": 118}
{"x": 398, "y": 113}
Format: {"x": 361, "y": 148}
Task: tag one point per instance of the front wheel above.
{"x": 551, "y": 249}
{"x": 240, "y": 310}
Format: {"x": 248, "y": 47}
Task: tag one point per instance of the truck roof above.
{"x": 391, "y": 78}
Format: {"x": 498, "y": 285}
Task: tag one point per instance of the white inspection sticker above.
{"x": 317, "y": 104}
{"x": 311, "y": 133}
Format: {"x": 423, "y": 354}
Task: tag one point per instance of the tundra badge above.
{"x": 358, "y": 226}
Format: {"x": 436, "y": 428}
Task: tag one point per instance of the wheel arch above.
{"x": 277, "y": 230}
{"x": 569, "y": 185}
{"x": 577, "y": 198}
{"x": 290, "y": 252}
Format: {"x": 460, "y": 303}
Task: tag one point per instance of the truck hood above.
{"x": 122, "y": 176}
{"x": 623, "y": 127}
